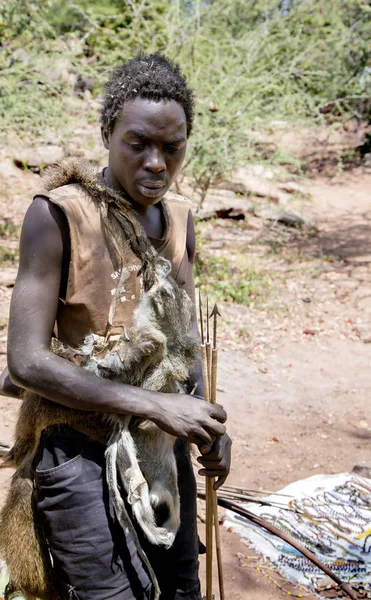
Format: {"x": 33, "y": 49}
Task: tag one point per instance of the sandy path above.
{"x": 309, "y": 392}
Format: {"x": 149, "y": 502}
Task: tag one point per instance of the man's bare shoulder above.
{"x": 43, "y": 214}
{"x": 43, "y": 233}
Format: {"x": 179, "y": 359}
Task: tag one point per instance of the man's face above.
{"x": 146, "y": 148}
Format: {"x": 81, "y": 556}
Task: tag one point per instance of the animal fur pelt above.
{"x": 155, "y": 353}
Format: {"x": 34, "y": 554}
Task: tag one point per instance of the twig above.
{"x": 245, "y": 498}
{"x": 238, "y": 488}
{"x": 250, "y": 491}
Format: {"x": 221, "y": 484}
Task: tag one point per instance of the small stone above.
{"x": 213, "y": 107}
{"x": 8, "y": 277}
{"x": 247, "y": 182}
{"x": 276, "y": 213}
{"x": 293, "y": 188}
{"x": 363, "y": 330}
{"x": 87, "y": 95}
{"x": 224, "y": 204}
{"x": 367, "y": 160}
{"x": 363, "y": 469}
{"x": 38, "y": 157}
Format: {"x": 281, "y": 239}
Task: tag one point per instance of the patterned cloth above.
{"x": 328, "y": 514}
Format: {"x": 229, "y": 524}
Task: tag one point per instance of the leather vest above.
{"x": 93, "y": 277}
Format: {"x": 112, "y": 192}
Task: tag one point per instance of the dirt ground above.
{"x": 294, "y": 375}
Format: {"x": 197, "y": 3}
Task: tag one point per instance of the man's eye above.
{"x": 171, "y": 148}
{"x": 137, "y": 147}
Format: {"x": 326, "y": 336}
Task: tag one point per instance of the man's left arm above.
{"x": 215, "y": 460}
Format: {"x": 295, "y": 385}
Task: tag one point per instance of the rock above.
{"x": 363, "y": 469}
{"x": 324, "y": 583}
{"x": 63, "y": 72}
{"x": 367, "y": 160}
{"x": 37, "y": 157}
{"x": 8, "y": 169}
{"x": 352, "y": 126}
{"x": 213, "y": 107}
{"x": 292, "y": 219}
{"x": 87, "y": 95}
{"x": 21, "y": 55}
{"x": 253, "y": 181}
{"x": 8, "y": 277}
{"x": 83, "y": 84}
{"x": 257, "y": 136}
{"x": 278, "y": 124}
{"x": 224, "y": 204}
{"x": 276, "y": 213}
{"x": 363, "y": 330}
{"x": 291, "y": 187}
{"x": 261, "y": 171}
{"x": 68, "y": 78}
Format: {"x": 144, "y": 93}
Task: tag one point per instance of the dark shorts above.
{"x": 92, "y": 556}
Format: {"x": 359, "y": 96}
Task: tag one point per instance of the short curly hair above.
{"x": 151, "y": 76}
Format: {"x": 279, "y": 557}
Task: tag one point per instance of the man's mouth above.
{"x": 151, "y": 189}
{"x": 152, "y": 184}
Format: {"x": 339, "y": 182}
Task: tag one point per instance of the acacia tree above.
{"x": 250, "y": 61}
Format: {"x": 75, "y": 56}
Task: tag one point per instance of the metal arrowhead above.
{"x": 215, "y": 312}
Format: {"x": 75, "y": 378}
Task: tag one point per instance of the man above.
{"x": 65, "y": 275}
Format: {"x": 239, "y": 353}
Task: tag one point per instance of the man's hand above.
{"x": 216, "y": 460}
{"x": 189, "y": 418}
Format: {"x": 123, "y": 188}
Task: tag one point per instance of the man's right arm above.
{"x": 7, "y": 387}
{"x": 33, "y": 366}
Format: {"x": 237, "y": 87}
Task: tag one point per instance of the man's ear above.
{"x": 105, "y": 137}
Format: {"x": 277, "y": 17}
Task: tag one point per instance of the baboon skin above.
{"x": 21, "y": 542}
{"x": 156, "y": 353}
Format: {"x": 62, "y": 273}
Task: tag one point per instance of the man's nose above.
{"x": 155, "y": 161}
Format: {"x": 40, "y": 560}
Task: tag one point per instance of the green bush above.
{"x": 249, "y": 61}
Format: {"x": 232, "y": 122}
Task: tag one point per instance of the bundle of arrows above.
{"x": 209, "y": 359}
